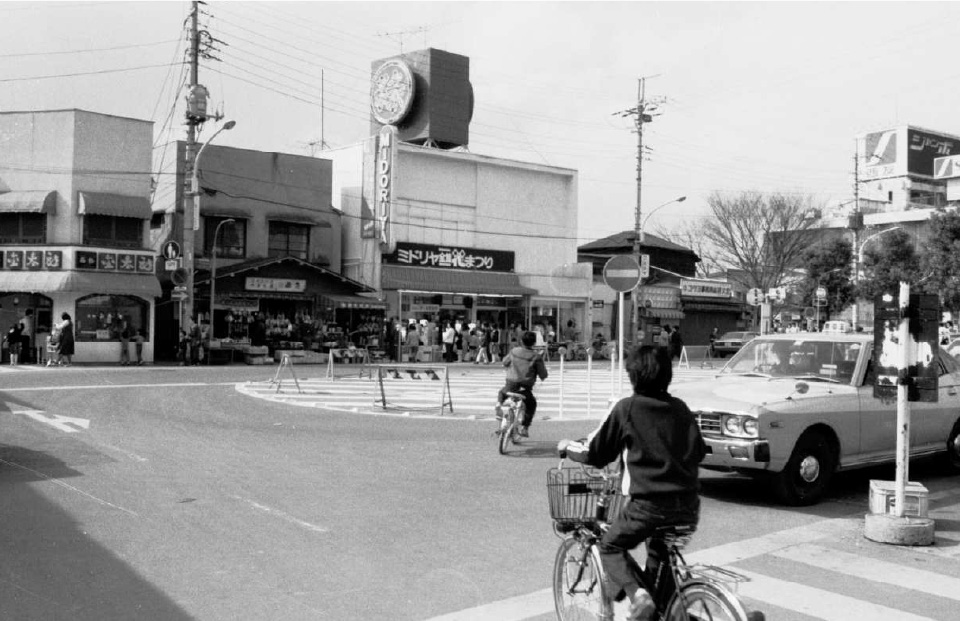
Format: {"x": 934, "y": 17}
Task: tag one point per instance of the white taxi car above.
{"x": 799, "y": 407}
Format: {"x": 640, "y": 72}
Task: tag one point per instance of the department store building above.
{"x": 445, "y": 234}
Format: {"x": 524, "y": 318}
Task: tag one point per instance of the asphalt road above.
{"x": 168, "y": 494}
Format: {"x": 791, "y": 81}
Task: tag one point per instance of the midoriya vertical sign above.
{"x": 384, "y": 187}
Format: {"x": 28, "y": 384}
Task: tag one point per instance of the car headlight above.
{"x": 740, "y": 426}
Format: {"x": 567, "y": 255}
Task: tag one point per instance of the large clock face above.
{"x": 391, "y": 92}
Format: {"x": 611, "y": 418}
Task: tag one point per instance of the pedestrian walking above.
{"x": 676, "y": 343}
{"x": 483, "y": 344}
{"x": 663, "y": 340}
{"x": 65, "y": 342}
{"x": 14, "y": 341}
{"x": 27, "y": 337}
{"x": 495, "y": 354}
{"x": 449, "y": 340}
{"x": 713, "y": 339}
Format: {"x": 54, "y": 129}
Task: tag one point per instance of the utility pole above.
{"x": 642, "y": 113}
{"x": 193, "y": 118}
{"x": 856, "y": 223}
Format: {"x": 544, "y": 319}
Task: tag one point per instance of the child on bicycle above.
{"x": 524, "y": 366}
{"x": 660, "y": 442}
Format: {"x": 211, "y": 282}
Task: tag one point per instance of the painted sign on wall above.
{"x": 475, "y": 259}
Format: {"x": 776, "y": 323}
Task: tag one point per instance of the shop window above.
{"x": 23, "y": 228}
{"x": 232, "y": 240}
{"x": 288, "y": 239}
{"x": 100, "y": 317}
{"x": 112, "y": 231}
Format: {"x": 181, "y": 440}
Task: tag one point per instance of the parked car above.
{"x": 731, "y": 342}
{"x": 799, "y": 407}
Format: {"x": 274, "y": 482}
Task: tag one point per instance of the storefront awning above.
{"x": 41, "y": 201}
{"x": 142, "y": 285}
{"x": 114, "y": 205}
{"x": 664, "y": 313}
{"x": 401, "y": 277}
{"x": 345, "y": 300}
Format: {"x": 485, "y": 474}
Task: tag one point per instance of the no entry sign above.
{"x": 621, "y": 273}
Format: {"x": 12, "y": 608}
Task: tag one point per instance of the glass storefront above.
{"x": 101, "y": 317}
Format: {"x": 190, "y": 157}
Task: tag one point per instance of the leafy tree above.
{"x": 940, "y": 263}
{"x": 887, "y": 263}
{"x": 829, "y": 266}
{"x": 761, "y": 235}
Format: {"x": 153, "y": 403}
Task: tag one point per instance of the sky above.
{"x": 765, "y": 96}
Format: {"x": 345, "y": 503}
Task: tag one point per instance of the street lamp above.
{"x": 827, "y": 297}
{"x": 638, "y": 240}
{"x": 856, "y": 271}
{"x": 213, "y": 272}
{"x": 191, "y": 220}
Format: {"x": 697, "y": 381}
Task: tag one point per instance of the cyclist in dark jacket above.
{"x": 524, "y": 366}
{"x": 659, "y": 440}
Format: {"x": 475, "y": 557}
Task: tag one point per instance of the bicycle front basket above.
{"x": 573, "y": 496}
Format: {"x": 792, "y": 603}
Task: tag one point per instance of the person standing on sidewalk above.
{"x": 449, "y": 338}
{"x": 124, "y": 343}
{"x": 483, "y": 344}
{"x": 65, "y": 343}
{"x": 138, "y": 344}
{"x": 14, "y": 341}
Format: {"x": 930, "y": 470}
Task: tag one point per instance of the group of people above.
{"x": 671, "y": 340}
{"x": 59, "y": 346}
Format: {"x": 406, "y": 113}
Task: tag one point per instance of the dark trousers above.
{"x": 529, "y": 401}
{"x": 638, "y": 520}
{"x": 448, "y": 355}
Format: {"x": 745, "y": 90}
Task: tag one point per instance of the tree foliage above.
{"x": 761, "y": 235}
{"x": 829, "y": 266}
{"x": 940, "y": 262}
{"x": 887, "y": 261}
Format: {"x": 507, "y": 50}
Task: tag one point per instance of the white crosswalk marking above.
{"x": 584, "y": 395}
{"x": 803, "y": 546}
{"x": 873, "y": 569}
{"x": 817, "y": 603}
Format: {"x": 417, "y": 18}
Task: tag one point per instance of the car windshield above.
{"x": 813, "y": 359}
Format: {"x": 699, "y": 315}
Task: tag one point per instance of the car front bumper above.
{"x": 736, "y": 453}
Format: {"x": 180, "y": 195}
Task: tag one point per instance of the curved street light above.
{"x": 194, "y": 220}
{"x": 856, "y": 271}
{"x": 638, "y": 240}
{"x": 643, "y": 224}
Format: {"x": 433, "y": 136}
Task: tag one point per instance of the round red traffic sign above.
{"x": 621, "y": 273}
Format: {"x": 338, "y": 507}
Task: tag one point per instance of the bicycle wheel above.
{"x": 506, "y": 430}
{"x": 705, "y": 601}
{"x": 577, "y": 584}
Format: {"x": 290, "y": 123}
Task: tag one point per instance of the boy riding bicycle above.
{"x": 524, "y": 366}
{"x": 659, "y": 440}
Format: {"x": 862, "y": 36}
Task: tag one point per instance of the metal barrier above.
{"x": 407, "y": 372}
{"x": 359, "y": 356}
{"x": 285, "y": 362}
{"x": 704, "y": 353}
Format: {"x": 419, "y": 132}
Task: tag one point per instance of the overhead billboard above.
{"x": 903, "y": 151}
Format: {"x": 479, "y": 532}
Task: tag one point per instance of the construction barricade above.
{"x": 430, "y": 379}
{"x": 701, "y": 353}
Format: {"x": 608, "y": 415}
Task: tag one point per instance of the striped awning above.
{"x": 116, "y": 205}
{"x": 39, "y": 201}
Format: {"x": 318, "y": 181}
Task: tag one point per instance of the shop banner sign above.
{"x": 705, "y": 288}
{"x": 384, "y": 181}
{"x": 453, "y": 257}
{"x": 285, "y": 285}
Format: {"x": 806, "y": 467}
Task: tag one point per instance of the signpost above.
{"x": 622, "y": 273}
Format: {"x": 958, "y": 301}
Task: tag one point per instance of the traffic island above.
{"x": 882, "y": 524}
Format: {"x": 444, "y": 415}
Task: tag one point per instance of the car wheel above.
{"x": 953, "y": 449}
{"x": 805, "y": 477}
